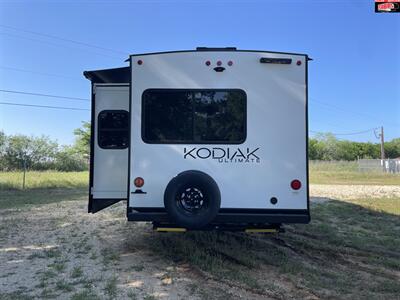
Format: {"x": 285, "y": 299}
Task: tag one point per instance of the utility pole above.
{"x": 382, "y": 144}
{"x": 381, "y": 137}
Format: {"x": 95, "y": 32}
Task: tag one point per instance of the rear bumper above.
{"x": 229, "y": 216}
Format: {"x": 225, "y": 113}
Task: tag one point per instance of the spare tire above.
{"x": 192, "y": 199}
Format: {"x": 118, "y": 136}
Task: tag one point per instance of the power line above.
{"x": 348, "y": 133}
{"x": 39, "y": 73}
{"x": 44, "y": 106}
{"x": 64, "y": 39}
{"x": 44, "y": 95}
{"x": 325, "y": 123}
{"x": 355, "y": 133}
{"x": 84, "y": 109}
{"x": 58, "y": 45}
{"x": 359, "y": 114}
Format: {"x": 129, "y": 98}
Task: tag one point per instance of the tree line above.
{"x": 41, "y": 153}
{"x": 18, "y": 152}
{"x": 328, "y": 147}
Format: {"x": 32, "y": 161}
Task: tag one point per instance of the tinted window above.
{"x": 194, "y": 116}
{"x": 113, "y": 132}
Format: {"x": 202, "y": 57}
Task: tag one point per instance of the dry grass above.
{"x": 349, "y": 250}
{"x": 347, "y": 173}
{"x": 346, "y": 246}
{"x": 46, "y": 179}
{"x": 35, "y": 197}
{"x": 353, "y": 177}
{"x": 349, "y": 244}
{"x": 319, "y": 174}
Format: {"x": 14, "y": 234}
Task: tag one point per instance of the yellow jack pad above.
{"x": 261, "y": 230}
{"x": 170, "y": 229}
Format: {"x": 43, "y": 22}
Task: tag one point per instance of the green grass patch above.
{"x": 45, "y": 179}
{"x": 353, "y": 177}
{"x": 58, "y": 266}
{"x": 48, "y": 274}
{"x": 109, "y": 256}
{"x": 20, "y": 199}
{"x": 385, "y": 205}
{"x": 346, "y": 245}
{"x": 53, "y": 253}
{"x": 15, "y": 296}
{"x": 64, "y": 286}
{"x": 221, "y": 254}
{"x": 321, "y": 173}
{"x": 77, "y": 272}
{"x": 110, "y": 287}
{"x": 343, "y": 172}
{"x": 131, "y": 294}
{"x": 41, "y": 188}
{"x": 85, "y": 295}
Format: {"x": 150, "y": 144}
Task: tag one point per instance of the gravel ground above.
{"x": 354, "y": 191}
{"x": 59, "y": 251}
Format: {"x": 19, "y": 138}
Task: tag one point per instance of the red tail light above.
{"x": 295, "y": 184}
{"x": 138, "y": 182}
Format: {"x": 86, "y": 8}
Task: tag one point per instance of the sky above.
{"x": 354, "y": 78}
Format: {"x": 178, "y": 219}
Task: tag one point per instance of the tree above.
{"x": 38, "y": 153}
{"x": 33, "y": 152}
{"x": 82, "y": 139}
{"x": 3, "y": 139}
{"x": 329, "y": 146}
{"x": 315, "y": 149}
{"x": 392, "y": 148}
{"x": 3, "y": 142}
{"x": 67, "y": 160}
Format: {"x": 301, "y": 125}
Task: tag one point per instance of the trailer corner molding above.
{"x": 223, "y": 155}
{"x": 205, "y": 139}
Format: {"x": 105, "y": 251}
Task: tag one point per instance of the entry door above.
{"x": 109, "y": 159}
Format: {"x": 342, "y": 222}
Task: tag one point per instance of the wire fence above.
{"x": 379, "y": 165}
{"x": 333, "y": 165}
{"x": 361, "y": 165}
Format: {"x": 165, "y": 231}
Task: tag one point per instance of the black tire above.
{"x": 192, "y": 199}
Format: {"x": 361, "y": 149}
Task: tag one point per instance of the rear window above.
{"x": 113, "y": 129}
{"x": 194, "y": 116}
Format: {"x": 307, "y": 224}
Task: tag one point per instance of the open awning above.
{"x": 117, "y": 75}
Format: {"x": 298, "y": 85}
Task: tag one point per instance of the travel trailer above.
{"x": 212, "y": 138}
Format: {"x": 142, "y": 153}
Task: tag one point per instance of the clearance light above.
{"x": 208, "y": 63}
{"x": 138, "y": 182}
{"x": 219, "y": 63}
{"x": 139, "y": 62}
{"x": 295, "y": 184}
{"x": 230, "y": 63}
{"x": 298, "y": 63}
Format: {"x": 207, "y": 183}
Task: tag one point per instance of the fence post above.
{"x": 23, "y": 180}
